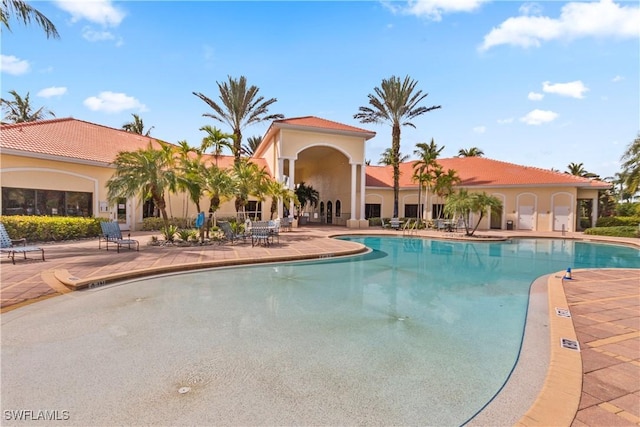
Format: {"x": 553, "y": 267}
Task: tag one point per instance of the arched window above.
{"x": 338, "y": 208}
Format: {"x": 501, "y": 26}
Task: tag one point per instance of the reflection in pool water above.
{"x": 419, "y": 332}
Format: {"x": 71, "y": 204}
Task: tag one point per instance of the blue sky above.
{"x": 534, "y": 83}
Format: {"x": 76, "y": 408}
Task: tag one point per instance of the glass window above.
{"x": 24, "y": 201}
{"x": 338, "y": 208}
{"x": 372, "y": 210}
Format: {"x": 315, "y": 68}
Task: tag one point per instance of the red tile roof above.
{"x": 483, "y": 172}
{"x": 77, "y": 140}
{"x": 318, "y": 123}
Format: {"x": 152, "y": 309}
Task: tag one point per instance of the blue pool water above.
{"x": 416, "y": 332}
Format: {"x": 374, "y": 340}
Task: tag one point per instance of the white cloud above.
{"x": 617, "y": 79}
{"x": 505, "y": 121}
{"x": 434, "y": 9}
{"x": 538, "y": 117}
{"x": 574, "y": 89}
{"x": 534, "y": 96}
{"x": 52, "y": 91}
{"x": 480, "y": 129}
{"x": 530, "y": 9}
{"x": 92, "y": 35}
{"x": 589, "y": 19}
{"x": 97, "y": 11}
{"x": 111, "y": 102}
{"x": 15, "y": 66}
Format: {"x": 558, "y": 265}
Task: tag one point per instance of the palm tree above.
{"x": 136, "y": 126}
{"x": 395, "y": 102}
{"x": 252, "y": 145}
{"x": 463, "y": 204}
{"x": 443, "y": 183}
{"x": 576, "y": 169}
{"x": 217, "y": 140}
{"x": 279, "y": 194}
{"x": 26, "y": 14}
{"x": 386, "y": 158}
{"x": 191, "y": 172}
{"x": 471, "y": 152}
{"x": 306, "y": 195}
{"x": 241, "y": 106}
{"x": 248, "y": 180}
{"x": 631, "y": 166}
{"x": 219, "y": 186}
{"x": 425, "y": 166}
{"x": 20, "y": 111}
{"x": 148, "y": 173}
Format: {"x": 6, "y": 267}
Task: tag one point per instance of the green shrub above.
{"x": 618, "y": 231}
{"x": 375, "y": 222}
{"x": 50, "y": 228}
{"x": 614, "y": 221}
{"x": 628, "y": 209}
{"x": 187, "y": 234}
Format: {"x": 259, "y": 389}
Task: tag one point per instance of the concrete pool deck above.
{"x": 598, "y": 386}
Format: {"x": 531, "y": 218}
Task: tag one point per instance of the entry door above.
{"x": 496, "y": 218}
{"x": 329, "y": 212}
{"x": 122, "y": 216}
{"x": 525, "y": 218}
{"x": 560, "y": 218}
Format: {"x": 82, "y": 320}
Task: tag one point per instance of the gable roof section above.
{"x": 77, "y": 141}
{"x": 482, "y": 172}
{"x": 313, "y": 124}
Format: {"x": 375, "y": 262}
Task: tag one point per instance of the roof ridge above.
{"x": 37, "y": 122}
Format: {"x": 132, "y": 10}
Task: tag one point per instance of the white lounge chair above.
{"x": 12, "y": 246}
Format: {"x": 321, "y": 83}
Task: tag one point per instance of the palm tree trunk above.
{"x": 395, "y": 149}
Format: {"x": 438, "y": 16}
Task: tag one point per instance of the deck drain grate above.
{"x": 563, "y": 312}
{"x": 570, "y": 344}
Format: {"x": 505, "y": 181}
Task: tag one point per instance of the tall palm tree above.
{"x": 191, "y": 172}
{"x": 443, "y": 183}
{"x": 136, "y": 126}
{"x": 279, "y": 193}
{"x": 425, "y": 166}
{"x": 26, "y": 14}
{"x": 386, "y": 158}
{"x": 217, "y": 140}
{"x": 471, "y": 152}
{"x": 395, "y": 102}
{"x": 241, "y": 106}
{"x": 631, "y": 166}
{"x": 147, "y": 173}
{"x": 252, "y": 145}
{"x": 20, "y": 110}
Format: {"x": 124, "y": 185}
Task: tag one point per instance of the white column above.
{"x": 594, "y": 212}
{"x": 354, "y": 167}
{"x": 292, "y": 177}
{"x": 363, "y": 184}
{"x": 280, "y": 178}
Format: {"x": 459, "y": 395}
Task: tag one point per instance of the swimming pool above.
{"x": 415, "y": 332}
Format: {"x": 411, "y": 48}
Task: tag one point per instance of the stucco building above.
{"x": 61, "y": 166}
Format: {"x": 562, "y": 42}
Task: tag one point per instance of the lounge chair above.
{"x": 111, "y": 234}
{"x": 12, "y": 246}
{"x": 228, "y": 234}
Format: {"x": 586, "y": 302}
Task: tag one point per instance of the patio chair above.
{"x": 12, "y": 246}
{"x": 395, "y": 223}
{"x": 286, "y": 224}
{"x": 260, "y": 234}
{"x": 111, "y": 234}
{"x": 228, "y": 234}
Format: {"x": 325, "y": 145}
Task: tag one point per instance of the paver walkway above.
{"x": 605, "y": 304}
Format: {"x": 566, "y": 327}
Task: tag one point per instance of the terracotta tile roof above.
{"x": 76, "y": 140}
{"x": 318, "y": 123}
{"x": 483, "y": 172}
